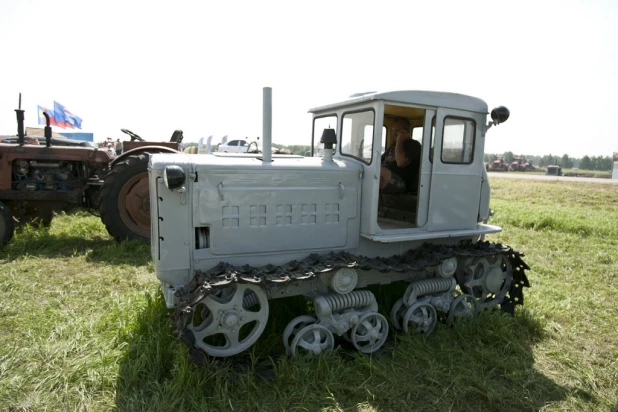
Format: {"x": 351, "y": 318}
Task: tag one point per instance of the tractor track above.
{"x": 206, "y": 282}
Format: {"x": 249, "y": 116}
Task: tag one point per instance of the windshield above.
{"x": 319, "y": 124}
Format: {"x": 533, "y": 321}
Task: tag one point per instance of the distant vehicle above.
{"x": 238, "y": 146}
{"x": 499, "y": 165}
{"x": 554, "y": 170}
{"x": 521, "y": 165}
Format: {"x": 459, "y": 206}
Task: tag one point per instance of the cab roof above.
{"x": 420, "y": 97}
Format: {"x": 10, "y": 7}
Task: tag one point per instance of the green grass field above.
{"x": 600, "y": 174}
{"x": 83, "y": 327}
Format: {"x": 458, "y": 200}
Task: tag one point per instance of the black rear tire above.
{"x": 125, "y": 200}
{"x": 7, "y": 224}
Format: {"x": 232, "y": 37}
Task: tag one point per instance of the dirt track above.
{"x": 515, "y": 175}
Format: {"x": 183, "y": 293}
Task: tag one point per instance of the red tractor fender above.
{"x": 138, "y": 150}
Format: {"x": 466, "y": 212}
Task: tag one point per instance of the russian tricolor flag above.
{"x": 65, "y": 118}
{"x": 60, "y": 117}
{"x": 50, "y": 113}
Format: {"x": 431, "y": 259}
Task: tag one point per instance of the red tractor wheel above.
{"x": 7, "y": 224}
{"x": 125, "y": 201}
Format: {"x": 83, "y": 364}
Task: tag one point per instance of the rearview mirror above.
{"x": 500, "y": 115}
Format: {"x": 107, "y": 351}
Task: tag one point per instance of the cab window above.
{"x": 433, "y": 138}
{"x": 319, "y": 124}
{"x": 417, "y": 133}
{"x": 357, "y": 135}
{"x": 458, "y": 140}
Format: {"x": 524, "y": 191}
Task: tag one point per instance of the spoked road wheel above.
{"x": 420, "y": 318}
{"x": 292, "y": 329}
{"x": 397, "y": 312}
{"x": 370, "y": 333}
{"x": 230, "y": 321}
{"x": 125, "y": 200}
{"x": 312, "y": 340}
{"x": 462, "y": 308}
{"x": 7, "y": 224}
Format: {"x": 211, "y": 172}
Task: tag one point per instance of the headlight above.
{"x": 174, "y": 177}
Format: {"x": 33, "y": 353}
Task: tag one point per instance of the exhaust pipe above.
{"x": 48, "y": 130}
{"x": 21, "y": 138}
{"x": 267, "y": 124}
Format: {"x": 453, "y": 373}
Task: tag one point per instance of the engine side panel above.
{"x": 257, "y": 211}
{"x": 240, "y": 211}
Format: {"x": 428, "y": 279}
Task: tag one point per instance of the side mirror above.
{"x": 500, "y": 115}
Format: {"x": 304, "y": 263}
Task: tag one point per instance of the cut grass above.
{"x": 83, "y": 326}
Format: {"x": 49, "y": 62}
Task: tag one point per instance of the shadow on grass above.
{"x": 44, "y": 243}
{"x": 485, "y": 365}
{"x": 133, "y": 252}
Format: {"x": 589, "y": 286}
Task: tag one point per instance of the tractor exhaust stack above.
{"x": 267, "y": 124}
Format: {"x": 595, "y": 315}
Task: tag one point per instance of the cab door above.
{"x": 456, "y": 172}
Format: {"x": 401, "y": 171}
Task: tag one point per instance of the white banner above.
{"x": 200, "y": 143}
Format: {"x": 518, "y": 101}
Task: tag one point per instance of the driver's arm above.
{"x": 400, "y": 156}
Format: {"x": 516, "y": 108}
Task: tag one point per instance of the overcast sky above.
{"x": 200, "y": 66}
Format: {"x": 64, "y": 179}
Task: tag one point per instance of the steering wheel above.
{"x": 177, "y": 136}
{"x": 132, "y": 135}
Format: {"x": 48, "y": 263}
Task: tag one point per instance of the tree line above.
{"x": 600, "y": 163}
{"x": 567, "y": 162}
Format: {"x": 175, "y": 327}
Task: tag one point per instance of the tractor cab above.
{"x": 450, "y": 196}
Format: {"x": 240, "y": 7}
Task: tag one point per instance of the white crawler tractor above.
{"x": 232, "y": 231}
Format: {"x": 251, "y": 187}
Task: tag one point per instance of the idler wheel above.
{"x": 230, "y": 321}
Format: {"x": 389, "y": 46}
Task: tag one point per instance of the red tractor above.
{"x": 125, "y": 201}
{"x": 40, "y": 176}
{"x": 499, "y": 165}
{"x": 520, "y": 165}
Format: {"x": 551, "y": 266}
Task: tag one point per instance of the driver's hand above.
{"x": 402, "y": 135}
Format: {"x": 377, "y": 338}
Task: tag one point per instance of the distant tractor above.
{"x": 499, "y": 165}
{"x": 520, "y": 165}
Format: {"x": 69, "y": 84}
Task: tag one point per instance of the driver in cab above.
{"x": 400, "y": 162}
